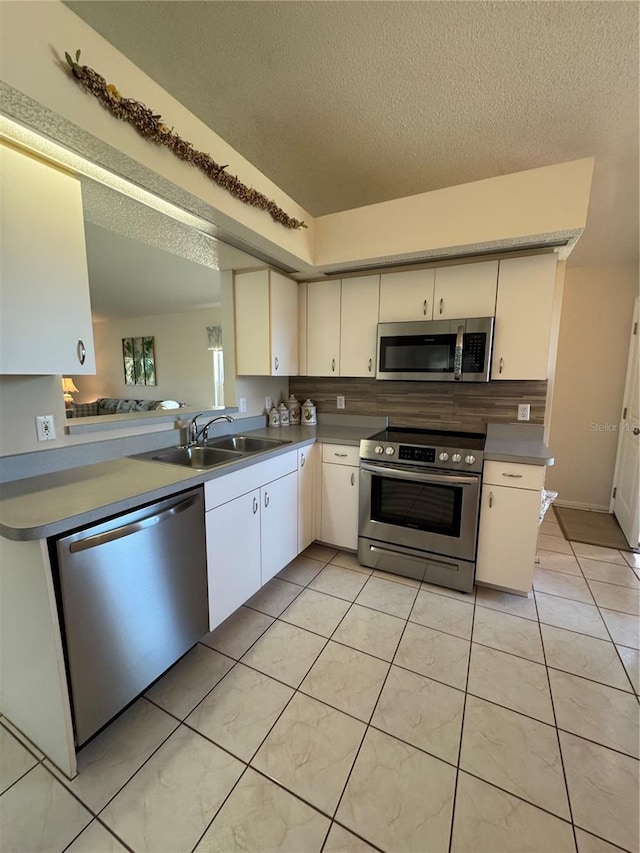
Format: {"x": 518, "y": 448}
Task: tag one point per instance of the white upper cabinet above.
{"x": 406, "y": 295}
{"x": 323, "y": 328}
{"x": 45, "y": 322}
{"x": 524, "y": 314}
{"x": 465, "y": 290}
{"x": 266, "y": 315}
{"x": 359, "y": 326}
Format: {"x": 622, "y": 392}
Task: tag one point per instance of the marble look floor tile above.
{"x": 557, "y": 583}
{"x": 443, "y": 614}
{"x": 554, "y": 543}
{"x": 390, "y": 576}
{"x": 274, "y": 597}
{"x": 596, "y": 712}
{"x": 285, "y": 652}
{"x": 393, "y": 598}
{"x": 609, "y": 573}
{"x": 370, "y": 631}
{"x": 557, "y": 562}
{"x": 96, "y": 839}
{"x": 514, "y": 682}
{"x": 347, "y": 679}
{"x": 434, "y": 654}
{"x": 301, "y": 570}
{"x": 316, "y": 612}
{"x": 262, "y": 817}
{"x": 631, "y": 662}
{"x": 399, "y": 798}
{"x": 588, "y": 843}
{"x": 572, "y": 615}
{"x": 469, "y": 597}
{"x": 514, "y": 752}
{"x": 343, "y": 583}
{"x": 631, "y": 558}
{"x": 422, "y": 712}
{"x": 594, "y": 552}
{"x": 488, "y": 820}
{"x": 15, "y": 760}
{"x": 171, "y": 800}
{"x": 189, "y": 680}
{"x": 588, "y": 657}
{"x": 551, "y": 526}
{"x": 603, "y": 788}
{"x": 239, "y": 713}
{"x": 341, "y": 840}
{"x": 237, "y": 633}
{"x": 28, "y": 745}
{"x": 514, "y": 605}
{"x": 349, "y": 561}
{"x": 616, "y": 597}
{"x": 508, "y": 633}
{"x": 311, "y": 750}
{"x": 320, "y": 552}
{"x": 624, "y": 628}
{"x": 111, "y": 758}
{"x": 39, "y": 815}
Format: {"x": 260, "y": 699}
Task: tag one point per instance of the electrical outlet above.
{"x": 242, "y": 404}
{"x": 45, "y": 428}
{"x": 524, "y": 411}
{"x": 339, "y": 402}
{"x": 268, "y": 403}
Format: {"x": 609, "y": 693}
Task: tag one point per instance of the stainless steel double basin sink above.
{"x": 217, "y": 451}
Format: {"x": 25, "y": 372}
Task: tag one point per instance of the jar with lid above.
{"x": 274, "y": 417}
{"x": 294, "y": 410}
{"x": 309, "y": 413}
{"x": 284, "y": 414}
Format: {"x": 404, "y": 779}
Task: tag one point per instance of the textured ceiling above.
{"x": 344, "y": 104}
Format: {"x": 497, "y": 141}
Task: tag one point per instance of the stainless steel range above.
{"x": 419, "y": 500}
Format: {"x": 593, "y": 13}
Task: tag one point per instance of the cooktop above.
{"x": 425, "y": 448}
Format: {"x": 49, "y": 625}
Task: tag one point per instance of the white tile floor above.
{"x": 345, "y": 710}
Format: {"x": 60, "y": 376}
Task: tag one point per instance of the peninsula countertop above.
{"x": 517, "y": 443}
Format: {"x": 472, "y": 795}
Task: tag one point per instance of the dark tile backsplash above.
{"x": 442, "y": 405}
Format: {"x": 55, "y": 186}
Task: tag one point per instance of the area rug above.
{"x": 591, "y": 528}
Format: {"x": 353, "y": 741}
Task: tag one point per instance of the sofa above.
{"x": 111, "y": 406}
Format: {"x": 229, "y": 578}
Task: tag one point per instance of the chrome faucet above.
{"x": 192, "y": 433}
{"x": 203, "y": 434}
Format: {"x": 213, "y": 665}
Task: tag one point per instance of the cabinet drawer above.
{"x": 515, "y": 475}
{"x": 341, "y": 454}
{"x": 232, "y": 485}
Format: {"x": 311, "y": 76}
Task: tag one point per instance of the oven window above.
{"x": 416, "y": 354}
{"x": 419, "y": 506}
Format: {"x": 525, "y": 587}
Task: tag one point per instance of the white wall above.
{"x": 595, "y": 326}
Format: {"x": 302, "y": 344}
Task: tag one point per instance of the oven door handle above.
{"x": 420, "y": 476}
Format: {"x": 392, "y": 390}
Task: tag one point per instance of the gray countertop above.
{"x": 50, "y": 504}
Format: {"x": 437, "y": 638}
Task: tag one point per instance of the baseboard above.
{"x": 580, "y": 505}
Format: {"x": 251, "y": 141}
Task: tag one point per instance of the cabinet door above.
{"x": 507, "y": 537}
{"x": 284, "y": 325}
{"x": 279, "y": 524}
{"x": 465, "y": 290}
{"x": 524, "y": 313}
{"x": 251, "y": 294}
{"x": 233, "y": 555}
{"x": 44, "y": 285}
{"x": 359, "y": 326}
{"x": 323, "y": 330}
{"x": 307, "y": 475}
{"x": 406, "y": 296}
{"x": 339, "y": 517}
{"x": 302, "y": 329}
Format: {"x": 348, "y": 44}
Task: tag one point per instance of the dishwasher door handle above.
{"x": 133, "y": 527}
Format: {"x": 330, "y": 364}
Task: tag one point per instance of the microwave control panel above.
{"x": 473, "y": 352}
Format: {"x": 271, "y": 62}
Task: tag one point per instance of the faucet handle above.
{"x": 193, "y": 428}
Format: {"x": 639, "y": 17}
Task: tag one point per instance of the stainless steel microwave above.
{"x": 436, "y": 350}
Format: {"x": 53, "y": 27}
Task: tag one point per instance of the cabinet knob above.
{"x": 333, "y": 365}
{"x": 255, "y": 505}
{"x": 370, "y": 364}
{"x": 490, "y": 499}
{"x": 441, "y": 305}
{"x": 353, "y": 478}
{"x": 266, "y": 498}
{"x": 515, "y": 476}
{"x": 276, "y": 362}
{"x": 81, "y": 351}
{"x": 424, "y": 307}
{"x": 302, "y": 460}
{"x": 501, "y": 365}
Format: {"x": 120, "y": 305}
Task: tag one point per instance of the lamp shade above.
{"x": 67, "y": 385}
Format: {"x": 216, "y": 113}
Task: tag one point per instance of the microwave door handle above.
{"x": 420, "y": 476}
{"x": 457, "y": 358}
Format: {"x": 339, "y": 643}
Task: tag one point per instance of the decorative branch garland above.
{"x": 151, "y": 127}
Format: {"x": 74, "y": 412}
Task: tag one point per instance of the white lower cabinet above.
{"x": 278, "y": 524}
{"x": 308, "y": 482}
{"x": 340, "y": 495}
{"x": 508, "y": 532}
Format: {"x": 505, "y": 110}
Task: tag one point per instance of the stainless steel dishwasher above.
{"x": 133, "y": 594}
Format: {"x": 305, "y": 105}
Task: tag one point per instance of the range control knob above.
{"x": 456, "y": 457}
{"x": 378, "y": 449}
{"x": 443, "y": 457}
{"x": 390, "y": 451}
{"x": 470, "y": 459}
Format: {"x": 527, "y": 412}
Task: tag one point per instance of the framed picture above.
{"x": 138, "y": 355}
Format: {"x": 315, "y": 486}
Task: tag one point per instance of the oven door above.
{"x": 422, "y": 509}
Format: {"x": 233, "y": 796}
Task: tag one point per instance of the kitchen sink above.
{"x": 197, "y": 457}
{"x": 245, "y": 443}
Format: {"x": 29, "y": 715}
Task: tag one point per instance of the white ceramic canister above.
{"x": 274, "y": 417}
{"x": 284, "y": 414}
{"x": 294, "y": 410}
{"x": 309, "y": 413}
